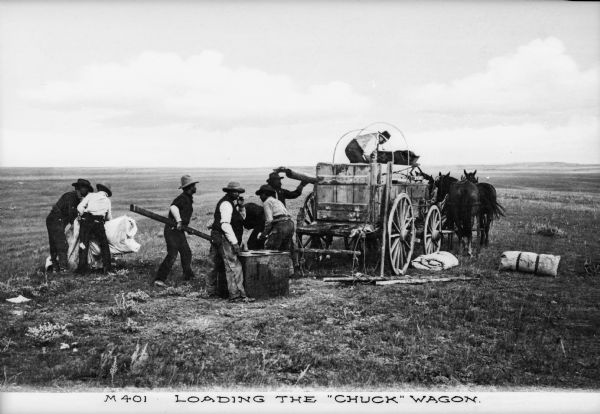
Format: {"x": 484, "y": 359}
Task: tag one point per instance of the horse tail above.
{"x": 493, "y": 208}
{"x": 498, "y": 210}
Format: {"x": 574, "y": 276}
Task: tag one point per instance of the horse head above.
{"x": 470, "y": 176}
{"x": 443, "y": 183}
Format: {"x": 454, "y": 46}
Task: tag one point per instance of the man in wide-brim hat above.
{"x": 279, "y": 226}
{"x": 94, "y": 210}
{"x": 282, "y": 194}
{"x": 180, "y": 212}
{"x": 363, "y": 148}
{"x": 226, "y": 232}
{"x": 63, "y": 213}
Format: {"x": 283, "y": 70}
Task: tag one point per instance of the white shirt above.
{"x": 274, "y": 208}
{"x": 226, "y": 210}
{"x": 368, "y": 143}
{"x": 97, "y": 204}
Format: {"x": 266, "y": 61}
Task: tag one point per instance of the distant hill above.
{"x": 517, "y": 166}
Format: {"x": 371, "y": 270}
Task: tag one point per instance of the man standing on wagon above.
{"x": 180, "y": 211}
{"x": 363, "y": 148}
{"x": 64, "y": 212}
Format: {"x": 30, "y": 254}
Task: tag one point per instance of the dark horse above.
{"x": 463, "y": 203}
{"x": 459, "y": 203}
{"x": 255, "y": 221}
{"x": 490, "y": 207}
{"x": 441, "y": 190}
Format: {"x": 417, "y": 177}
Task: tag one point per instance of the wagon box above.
{"x": 363, "y": 203}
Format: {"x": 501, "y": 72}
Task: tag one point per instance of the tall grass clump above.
{"x": 547, "y": 230}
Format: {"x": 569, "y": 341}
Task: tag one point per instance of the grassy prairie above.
{"x": 502, "y": 330}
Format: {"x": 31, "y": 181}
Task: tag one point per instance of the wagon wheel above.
{"x": 306, "y": 216}
{"x": 432, "y": 231}
{"x": 401, "y": 234}
{"x": 308, "y": 212}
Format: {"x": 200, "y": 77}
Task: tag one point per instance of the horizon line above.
{"x": 295, "y": 165}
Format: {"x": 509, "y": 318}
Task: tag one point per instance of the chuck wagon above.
{"x": 381, "y": 211}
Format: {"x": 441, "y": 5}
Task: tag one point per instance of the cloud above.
{"x": 575, "y": 141}
{"x": 201, "y": 90}
{"x": 538, "y": 79}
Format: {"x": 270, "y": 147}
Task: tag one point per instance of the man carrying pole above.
{"x": 282, "y": 194}
{"x": 181, "y": 212}
{"x": 226, "y": 234}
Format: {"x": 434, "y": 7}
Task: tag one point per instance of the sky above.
{"x": 265, "y": 83}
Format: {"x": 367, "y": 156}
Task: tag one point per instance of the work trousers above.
{"x": 92, "y": 227}
{"x": 281, "y": 236}
{"x": 355, "y": 153}
{"x": 58, "y": 242}
{"x": 225, "y": 260}
{"x": 176, "y": 244}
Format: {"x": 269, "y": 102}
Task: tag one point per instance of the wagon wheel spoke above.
{"x": 397, "y": 228}
{"x": 401, "y": 256}
{"x": 395, "y": 249}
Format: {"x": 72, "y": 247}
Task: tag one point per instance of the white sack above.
{"x": 539, "y": 264}
{"x": 120, "y": 233}
{"x": 435, "y": 261}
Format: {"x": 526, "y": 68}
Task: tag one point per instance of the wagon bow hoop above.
{"x": 362, "y": 130}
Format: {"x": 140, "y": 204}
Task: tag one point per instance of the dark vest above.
{"x": 237, "y": 221}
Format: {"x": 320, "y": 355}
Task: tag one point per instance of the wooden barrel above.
{"x": 266, "y": 273}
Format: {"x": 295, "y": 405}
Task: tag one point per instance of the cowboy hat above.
{"x": 265, "y": 188}
{"x": 274, "y": 176}
{"x": 234, "y": 186}
{"x": 83, "y": 183}
{"x": 105, "y": 188}
{"x": 186, "y": 181}
{"x": 385, "y": 135}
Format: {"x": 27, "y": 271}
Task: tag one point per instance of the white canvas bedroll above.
{"x": 435, "y": 261}
{"x": 539, "y": 264}
{"x": 120, "y": 233}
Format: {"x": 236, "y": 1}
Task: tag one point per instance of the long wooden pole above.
{"x": 163, "y": 219}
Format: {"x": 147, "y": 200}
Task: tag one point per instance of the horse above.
{"x": 442, "y": 185}
{"x": 255, "y": 221}
{"x": 463, "y": 203}
{"x": 490, "y": 207}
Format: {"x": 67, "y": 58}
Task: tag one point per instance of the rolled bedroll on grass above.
{"x": 538, "y": 264}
